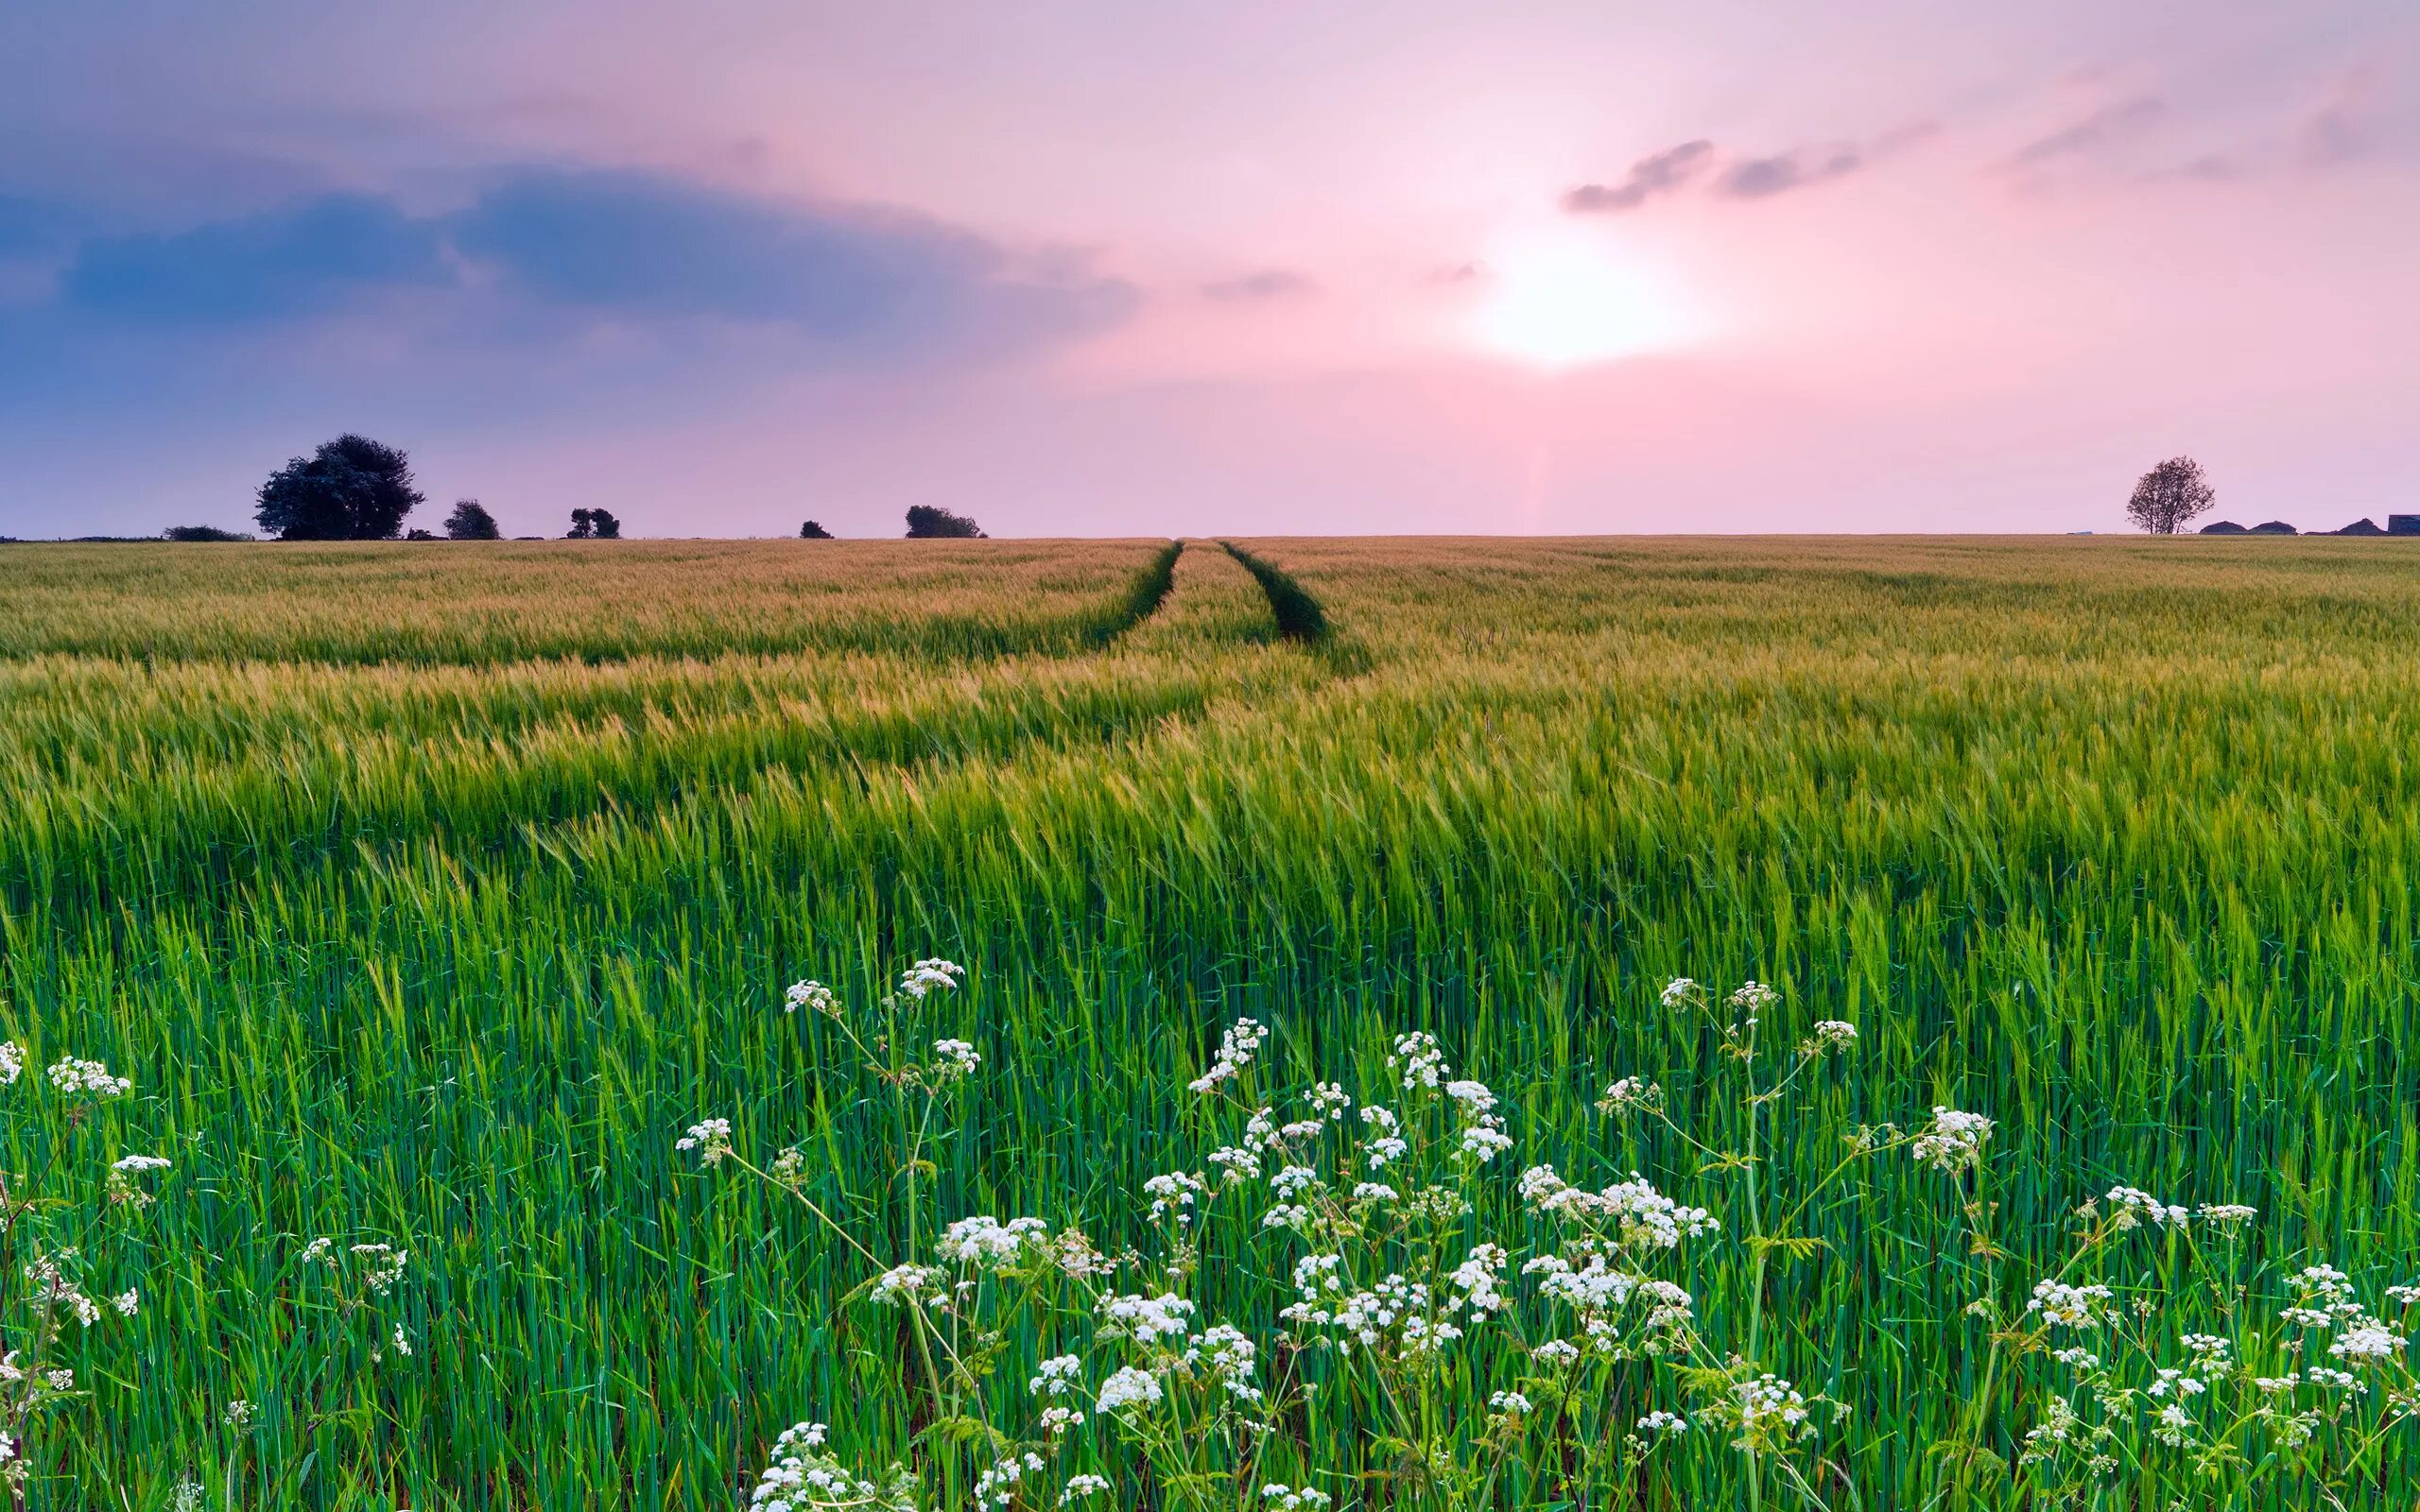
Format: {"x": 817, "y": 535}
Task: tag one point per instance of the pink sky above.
{"x": 1424, "y": 267}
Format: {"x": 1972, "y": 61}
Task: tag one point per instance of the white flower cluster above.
{"x": 709, "y": 1137}
{"x": 802, "y": 1477}
{"x": 382, "y": 1265}
{"x": 1768, "y": 1408}
{"x": 1419, "y": 1060}
{"x": 954, "y": 1060}
{"x": 88, "y": 1076}
{"x": 1081, "y": 1488}
{"x": 13, "y": 1062}
{"x": 1172, "y": 1196}
{"x": 2132, "y": 1207}
{"x": 1953, "y": 1141}
{"x": 1236, "y": 1050}
{"x": 1292, "y": 1498}
{"x": 2074, "y": 1306}
{"x": 1385, "y": 1144}
{"x": 1753, "y": 998}
{"x": 1829, "y": 1035}
{"x": 1680, "y": 992}
{"x": 1230, "y": 1356}
{"x": 1642, "y": 1217}
{"x": 931, "y": 975}
{"x": 1601, "y": 1296}
{"x": 811, "y": 995}
{"x": 988, "y": 1244}
{"x": 998, "y": 1487}
{"x": 1630, "y": 1094}
{"x": 911, "y": 1285}
{"x": 1057, "y": 1376}
{"x": 1127, "y": 1390}
{"x": 1145, "y": 1319}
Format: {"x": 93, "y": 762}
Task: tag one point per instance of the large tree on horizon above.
{"x": 926, "y": 523}
{"x": 471, "y": 521}
{"x": 2168, "y": 495}
{"x": 351, "y": 489}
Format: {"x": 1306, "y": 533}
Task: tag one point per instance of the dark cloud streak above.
{"x": 1265, "y": 283}
{"x": 2106, "y": 126}
{"x": 1659, "y": 173}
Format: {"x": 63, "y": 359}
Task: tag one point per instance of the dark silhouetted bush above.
{"x": 351, "y": 489}
{"x": 924, "y": 523}
{"x": 471, "y": 521}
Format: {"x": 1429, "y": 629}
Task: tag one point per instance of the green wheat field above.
{"x": 427, "y": 894}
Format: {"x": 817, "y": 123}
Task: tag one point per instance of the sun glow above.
{"x": 1564, "y": 299}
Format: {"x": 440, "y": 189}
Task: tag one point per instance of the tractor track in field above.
{"x": 1300, "y": 616}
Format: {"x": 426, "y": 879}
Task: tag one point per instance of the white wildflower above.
{"x": 72, "y": 1075}
{"x": 1128, "y": 1389}
{"x": 988, "y": 1244}
{"x": 1235, "y": 1049}
{"x": 1953, "y": 1141}
{"x": 811, "y": 995}
{"x": 1418, "y": 1060}
{"x": 931, "y": 975}
{"x": 710, "y": 1138}
{"x": 2075, "y": 1307}
{"x": 955, "y": 1059}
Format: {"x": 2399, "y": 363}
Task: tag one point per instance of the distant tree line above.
{"x": 356, "y": 489}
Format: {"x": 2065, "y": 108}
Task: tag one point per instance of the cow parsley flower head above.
{"x": 1753, "y": 998}
{"x": 1081, "y": 1488}
{"x": 89, "y": 1077}
{"x": 911, "y": 1285}
{"x": 931, "y": 975}
{"x": 1419, "y": 1060}
{"x": 1057, "y": 1376}
{"x": 813, "y": 996}
{"x": 1630, "y": 1094}
{"x": 1953, "y": 1141}
{"x": 1172, "y": 1196}
{"x": 710, "y": 1138}
{"x": 954, "y": 1060}
{"x": 1236, "y": 1050}
{"x": 2131, "y": 1207}
{"x": 1828, "y": 1035}
{"x": 1129, "y": 1390}
{"x": 1680, "y": 992}
{"x": 13, "y": 1062}
{"x": 1145, "y": 1319}
{"x": 1286, "y": 1498}
{"x": 2367, "y": 1341}
{"x": 2075, "y": 1307}
{"x": 986, "y": 1244}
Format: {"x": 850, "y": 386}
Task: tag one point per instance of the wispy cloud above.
{"x": 1659, "y": 173}
{"x": 2105, "y": 126}
{"x": 1263, "y": 283}
{"x": 1760, "y": 175}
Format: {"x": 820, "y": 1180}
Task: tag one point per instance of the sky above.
{"x": 1178, "y": 267}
